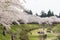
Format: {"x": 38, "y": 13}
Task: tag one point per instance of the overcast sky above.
{"x": 38, "y": 5}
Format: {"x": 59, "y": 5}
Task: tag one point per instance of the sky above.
{"x": 38, "y": 5}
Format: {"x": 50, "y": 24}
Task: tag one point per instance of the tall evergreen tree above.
{"x": 52, "y": 14}
{"x": 29, "y": 12}
{"x": 36, "y": 14}
{"x": 59, "y": 15}
{"x": 43, "y": 14}
{"x": 49, "y": 13}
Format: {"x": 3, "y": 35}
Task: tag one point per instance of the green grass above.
{"x": 17, "y": 29}
{"x": 35, "y": 35}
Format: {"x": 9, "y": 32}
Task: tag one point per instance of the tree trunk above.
{"x": 4, "y": 31}
{"x": 23, "y": 35}
{"x": 58, "y": 37}
{"x": 13, "y": 36}
{"x": 43, "y": 37}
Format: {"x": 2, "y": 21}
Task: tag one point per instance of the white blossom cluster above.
{"x": 13, "y": 10}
